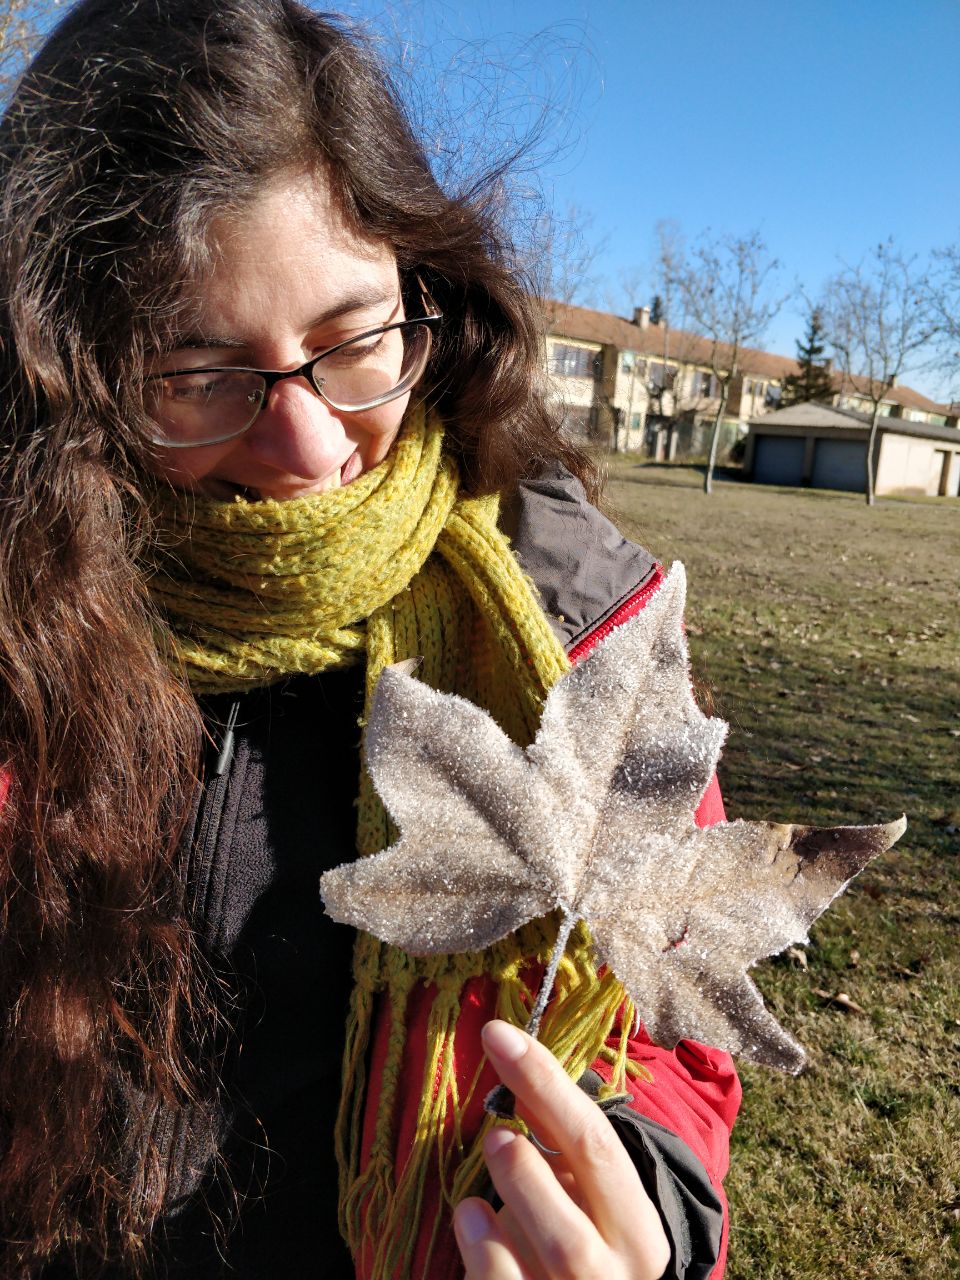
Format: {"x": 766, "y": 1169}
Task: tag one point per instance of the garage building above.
{"x": 825, "y": 447}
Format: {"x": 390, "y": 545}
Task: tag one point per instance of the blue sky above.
{"x": 828, "y": 126}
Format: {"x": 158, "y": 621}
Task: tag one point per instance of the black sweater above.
{"x": 281, "y": 812}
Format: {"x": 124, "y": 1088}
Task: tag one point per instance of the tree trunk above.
{"x": 871, "y": 442}
{"x": 715, "y": 440}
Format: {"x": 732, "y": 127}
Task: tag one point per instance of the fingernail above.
{"x": 503, "y": 1041}
{"x": 498, "y": 1140}
{"x": 471, "y": 1222}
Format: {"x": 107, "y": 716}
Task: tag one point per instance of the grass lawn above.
{"x": 829, "y": 634}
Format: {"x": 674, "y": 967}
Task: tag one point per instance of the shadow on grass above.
{"x": 679, "y": 475}
{"x": 690, "y": 475}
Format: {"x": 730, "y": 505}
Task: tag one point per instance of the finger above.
{"x": 512, "y": 1228}
{"x": 564, "y": 1117}
{"x": 486, "y": 1251}
{"x": 562, "y": 1239}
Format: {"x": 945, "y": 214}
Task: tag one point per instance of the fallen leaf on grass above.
{"x": 904, "y": 971}
{"x": 840, "y": 999}
{"x": 596, "y": 819}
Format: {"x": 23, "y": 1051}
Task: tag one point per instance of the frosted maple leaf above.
{"x": 596, "y": 818}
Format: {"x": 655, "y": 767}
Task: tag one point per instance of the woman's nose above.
{"x": 297, "y": 432}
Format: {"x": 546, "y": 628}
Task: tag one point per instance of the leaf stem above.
{"x": 567, "y": 923}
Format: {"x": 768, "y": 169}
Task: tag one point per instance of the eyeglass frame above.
{"x": 272, "y": 376}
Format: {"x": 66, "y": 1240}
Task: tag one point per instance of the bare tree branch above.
{"x": 945, "y": 300}
{"x": 676, "y": 346}
{"x": 567, "y": 248}
{"x": 727, "y": 285}
{"x": 22, "y": 23}
{"x": 877, "y": 315}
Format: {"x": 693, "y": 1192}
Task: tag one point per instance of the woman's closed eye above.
{"x": 363, "y": 349}
{"x": 204, "y": 390}
{"x": 201, "y": 386}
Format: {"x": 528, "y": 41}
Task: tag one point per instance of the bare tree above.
{"x": 675, "y": 345}
{"x": 22, "y": 23}
{"x": 566, "y": 248}
{"x": 667, "y": 263}
{"x": 877, "y": 315}
{"x": 945, "y": 299}
{"x": 649, "y": 383}
{"x": 658, "y": 378}
{"x": 727, "y": 288}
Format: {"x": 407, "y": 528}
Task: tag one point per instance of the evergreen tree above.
{"x": 656, "y": 311}
{"x": 813, "y": 382}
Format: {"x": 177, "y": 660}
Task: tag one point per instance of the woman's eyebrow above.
{"x": 357, "y": 301}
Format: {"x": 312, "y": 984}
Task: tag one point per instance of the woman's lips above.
{"x": 352, "y": 468}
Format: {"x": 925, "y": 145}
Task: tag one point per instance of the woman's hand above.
{"x": 582, "y": 1215}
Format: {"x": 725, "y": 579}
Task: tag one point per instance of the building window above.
{"x": 703, "y": 384}
{"x": 773, "y": 396}
{"x": 626, "y": 362}
{"x": 573, "y": 362}
{"x": 662, "y": 376}
{"x": 635, "y": 420}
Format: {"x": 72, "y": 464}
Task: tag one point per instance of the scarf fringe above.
{"x": 383, "y": 1212}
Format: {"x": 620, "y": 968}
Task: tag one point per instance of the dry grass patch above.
{"x": 830, "y": 637}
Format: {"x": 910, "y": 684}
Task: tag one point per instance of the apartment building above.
{"x": 632, "y": 385}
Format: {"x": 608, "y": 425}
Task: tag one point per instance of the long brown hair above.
{"x": 138, "y": 123}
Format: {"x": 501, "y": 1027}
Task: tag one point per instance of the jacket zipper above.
{"x": 166, "y": 1124}
{"x": 623, "y": 612}
{"x": 213, "y": 804}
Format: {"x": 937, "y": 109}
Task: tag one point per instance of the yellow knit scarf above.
{"x": 396, "y": 565}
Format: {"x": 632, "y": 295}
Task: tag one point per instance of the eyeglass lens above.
{"x": 209, "y": 405}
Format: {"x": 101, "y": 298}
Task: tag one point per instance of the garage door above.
{"x": 778, "y": 459}
{"x": 840, "y": 464}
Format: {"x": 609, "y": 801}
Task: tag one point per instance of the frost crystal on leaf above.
{"x": 596, "y": 818}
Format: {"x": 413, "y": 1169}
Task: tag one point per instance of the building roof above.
{"x": 810, "y": 416}
{"x": 567, "y": 321}
{"x": 564, "y": 320}
{"x": 854, "y": 384}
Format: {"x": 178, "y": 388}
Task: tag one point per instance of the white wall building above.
{"x": 826, "y": 447}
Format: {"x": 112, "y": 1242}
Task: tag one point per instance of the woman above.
{"x": 264, "y": 381}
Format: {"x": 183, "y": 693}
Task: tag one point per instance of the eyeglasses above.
{"x": 190, "y": 407}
